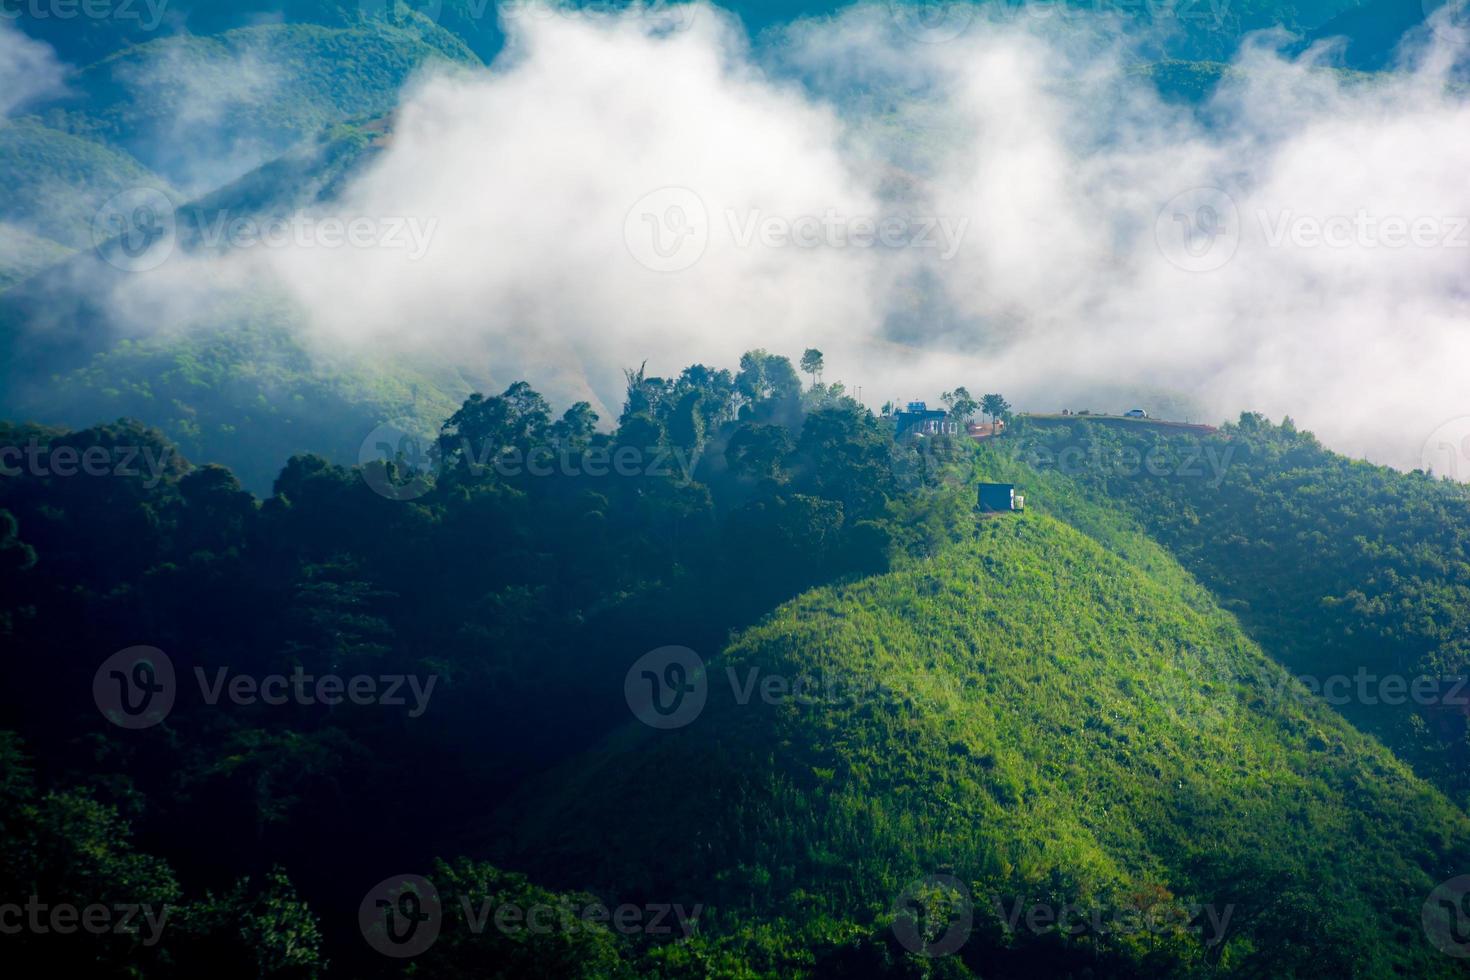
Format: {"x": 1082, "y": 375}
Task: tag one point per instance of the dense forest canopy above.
{"x": 519, "y": 592}
{"x": 450, "y": 626}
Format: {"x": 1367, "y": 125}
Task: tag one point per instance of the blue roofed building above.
{"x": 918, "y": 418}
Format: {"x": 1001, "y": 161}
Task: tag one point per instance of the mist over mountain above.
{"x": 1047, "y": 216}
{"x": 753, "y": 490}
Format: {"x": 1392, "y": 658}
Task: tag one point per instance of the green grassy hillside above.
{"x": 1337, "y": 567}
{"x": 1042, "y": 720}
{"x": 310, "y": 173}
{"x": 85, "y": 40}
{"x": 245, "y": 395}
{"x": 204, "y": 110}
{"x": 23, "y": 254}
{"x": 926, "y": 725}
{"x": 266, "y": 105}
{"x": 55, "y": 182}
{"x": 234, "y": 385}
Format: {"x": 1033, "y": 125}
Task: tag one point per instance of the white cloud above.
{"x": 1054, "y": 158}
{"x": 191, "y": 98}
{"x": 530, "y": 172}
{"x": 29, "y": 69}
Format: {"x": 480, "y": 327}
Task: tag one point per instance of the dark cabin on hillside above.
{"x": 997, "y": 498}
{"x": 919, "y": 419}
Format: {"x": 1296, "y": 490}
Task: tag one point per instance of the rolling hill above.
{"x": 202, "y": 111}
{"x": 236, "y": 381}
{"x": 1089, "y": 740}
{"x": 1337, "y": 567}
{"x": 56, "y": 182}
{"x": 1037, "y": 718}
{"x": 907, "y": 730}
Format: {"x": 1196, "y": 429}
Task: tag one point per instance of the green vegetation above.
{"x": 235, "y": 384}
{"x": 503, "y": 585}
{"x": 186, "y": 105}
{"x": 1041, "y": 720}
{"x": 64, "y": 848}
{"x": 916, "y": 716}
{"x": 55, "y": 182}
{"x": 906, "y": 703}
{"x": 260, "y": 109}
{"x": 23, "y": 255}
{"x": 83, "y": 41}
{"x": 243, "y": 393}
{"x": 312, "y": 172}
{"x": 1336, "y": 567}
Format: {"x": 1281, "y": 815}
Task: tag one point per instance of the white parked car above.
{"x": 1135, "y": 413}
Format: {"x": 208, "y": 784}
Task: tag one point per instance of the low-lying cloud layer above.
{"x": 29, "y": 70}
{"x": 1011, "y": 209}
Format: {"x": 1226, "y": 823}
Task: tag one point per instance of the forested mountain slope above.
{"x": 1356, "y": 577}
{"x": 1038, "y": 719}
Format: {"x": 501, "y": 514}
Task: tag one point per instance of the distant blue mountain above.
{"x": 1185, "y": 29}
